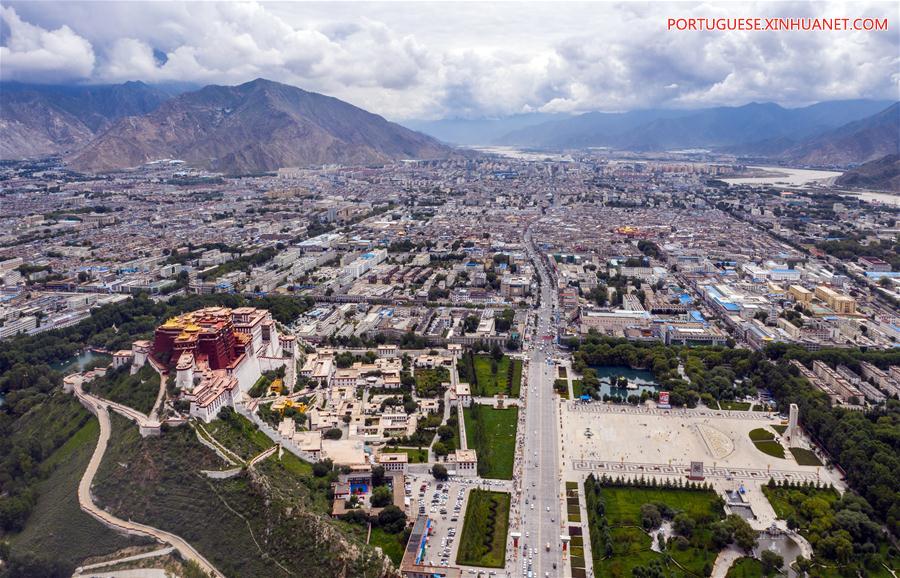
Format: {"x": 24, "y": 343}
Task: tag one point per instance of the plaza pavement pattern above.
{"x": 600, "y": 467}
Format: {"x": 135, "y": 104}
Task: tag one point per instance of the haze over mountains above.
{"x": 830, "y": 133}
{"x": 263, "y": 125}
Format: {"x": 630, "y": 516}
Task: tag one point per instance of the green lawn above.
{"x": 561, "y": 386}
{"x": 735, "y": 405}
{"x": 783, "y": 500}
{"x": 492, "y": 434}
{"x": 761, "y": 434}
{"x": 389, "y": 543}
{"x": 138, "y": 391}
{"x": 506, "y": 379}
{"x": 771, "y": 448}
{"x": 239, "y": 434}
{"x": 631, "y": 545}
{"x": 483, "y": 538}
{"x": 429, "y": 380}
{"x": 745, "y": 568}
{"x": 814, "y": 511}
{"x": 157, "y": 481}
{"x": 577, "y": 390}
{"x": 805, "y": 457}
{"x": 416, "y": 456}
{"x": 57, "y": 528}
{"x": 780, "y": 429}
{"x": 453, "y": 443}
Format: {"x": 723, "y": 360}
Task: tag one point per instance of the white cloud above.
{"x": 471, "y": 59}
{"x": 33, "y": 53}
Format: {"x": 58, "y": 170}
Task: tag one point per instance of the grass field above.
{"x": 630, "y": 545}
{"x": 577, "y": 390}
{"x": 780, "y": 429}
{"x": 814, "y": 510}
{"x": 561, "y": 386}
{"x": 389, "y": 543}
{"x": 492, "y": 433}
{"x": 416, "y": 456}
{"x": 58, "y": 530}
{"x": 158, "y": 481}
{"x": 745, "y": 568}
{"x": 138, "y": 391}
{"x": 483, "y": 538}
{"x": 759, "y": 434}
{"x": 805, "y": 457}
{"x": 780, "y": 498}
{"x": 771, "y": 448}
{"x": 453, "y": 443}
{"x": 507, "y": 378}
{"x": 239, "y": 434}
{"x": 428, "y": 381}
{"x": 735, "y": 405}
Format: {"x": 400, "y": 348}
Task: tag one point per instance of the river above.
{"x": 786, "y": 176}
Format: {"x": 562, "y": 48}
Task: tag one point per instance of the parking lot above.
{"x": 446, "y": 506}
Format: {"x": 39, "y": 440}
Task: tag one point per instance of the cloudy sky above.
{"x": 471, "y": 59}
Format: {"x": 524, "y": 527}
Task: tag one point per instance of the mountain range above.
{"x": 263, "y": 125}
{"x": 879, "y": 175}
{"x": 253, "y": 127}
{"x": 836, "y": 133}
{"x": 40, "y": 120}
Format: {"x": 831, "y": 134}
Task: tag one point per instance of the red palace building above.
{"x": 209, "y": 334}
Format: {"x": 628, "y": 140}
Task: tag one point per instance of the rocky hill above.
{"x": 879, "y": 175}
{"x": 254, "y": 127}
{"x": 857, "y": 142}
{"x": 39, "y": 120}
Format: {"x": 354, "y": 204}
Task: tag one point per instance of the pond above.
{"x": 783, "y": 545}
{"x": 81, "y": 361}
{"x": 639, "y": 380}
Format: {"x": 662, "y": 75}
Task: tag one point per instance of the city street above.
{"x": 540, "y": 481}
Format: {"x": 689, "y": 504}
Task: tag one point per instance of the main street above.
{"x": 541, "y": 486}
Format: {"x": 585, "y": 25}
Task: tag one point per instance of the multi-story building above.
{"x": 837, "y": 302}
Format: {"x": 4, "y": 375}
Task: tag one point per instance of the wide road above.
{"x": 541, "y": 483}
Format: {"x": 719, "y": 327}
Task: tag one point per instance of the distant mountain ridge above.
{"x": 880, "y": 175}
{"x": 254, "y": 127}
{"x": 479, "y": 131}
{"x": 39, "y": 120}
{"x": 860, "y": 141}
{"x": 765, "y": 129}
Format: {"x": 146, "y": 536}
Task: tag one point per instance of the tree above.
{"x": 445, "y": 432}
{"x": 378, "y": 478}
{"x": 683, "y": 525}
{"x": 381, "y": 496}
{"x": 440, "y": 449}
{"x": 333, "y": 434}
{"x": 771, "y": 562}
{"x": 439, "y": 472}
{"x": 322, "y": 468}
{"x": 745, "y": 536}
{"x": 651, "y": 519}
{"x": 391, "y": 519}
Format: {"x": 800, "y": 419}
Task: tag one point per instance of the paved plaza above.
{"x": 682, "y": 469}
{"x": 644, "y": 440}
